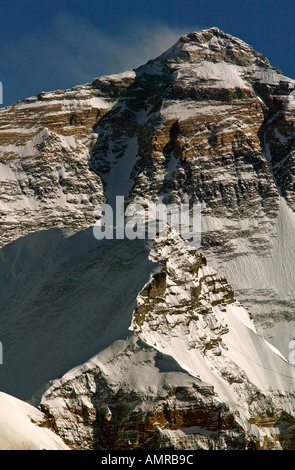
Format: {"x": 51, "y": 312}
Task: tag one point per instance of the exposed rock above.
{"x": 210, "y": 121}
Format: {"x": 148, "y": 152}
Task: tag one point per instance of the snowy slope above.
{"x": 65, "y": 299}
{"x": 266, "y": 284}
{"x": 19, "y": 428}
{"x": 178, "y": 332}
{"x": 215, "y": 124}
{"x": 185, "y": 313}
{"x": 177, "y": 361}
{"x": 134, "y": 396}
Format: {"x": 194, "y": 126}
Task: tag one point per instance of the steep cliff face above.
{"x": 44, "y": 144}
{"x": 211, "y": 121}
{"x": 152, "y": 389}
{"x": 180, "y": 362}
{"x": 132, "y": 396}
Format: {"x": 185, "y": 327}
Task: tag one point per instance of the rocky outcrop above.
{"x": 109, "y": 404}
{"x": 211, "y": 121}
{"x": 185, "y": 378}
{"x": 44, "y": 151}
{"x": 180, "y": 362}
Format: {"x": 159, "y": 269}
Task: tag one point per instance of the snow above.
{"x": 118, "y": 181}
{"x": 183, "y": 110}
{"x": 68, "y": 104}
{"x": 270, "y": 76}
{"x": 118, "y": 76}
{"x": 265, "y": 367}
{"x": 263, "y": 364}
{"x": 71, "y": 297}
{"x": 216, "y": 75}
{"x": 242, "y": 348}
{"x": 19, "y": 428}
{"x": 18, "y": 130}
{"x": 67, "y": 298}
{"x": 274, "y": 273}
{"x": 31, "y": 148}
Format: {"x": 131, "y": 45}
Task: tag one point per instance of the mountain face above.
{"x": 150, "y": 343}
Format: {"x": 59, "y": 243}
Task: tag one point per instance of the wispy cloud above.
{"x": 75, "y": 51}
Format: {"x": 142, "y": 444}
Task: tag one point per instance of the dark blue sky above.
{"x": 51, "y": 44}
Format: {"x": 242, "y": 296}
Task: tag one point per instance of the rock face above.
{"x": 44, "y": 145}
{"x": 212, "y": 121}
{"x": 194, "y": 374}
{"x": 180, "y": 362}
{"x": 106, "y": 414}
{"x": 175, "y": 410}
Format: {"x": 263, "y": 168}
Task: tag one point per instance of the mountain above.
{"x": 126, "y": 344}
{"x": 23, "y": 427}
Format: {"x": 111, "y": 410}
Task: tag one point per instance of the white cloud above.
{"x": 75, "y": 52}
{"x": 87, "y": 50}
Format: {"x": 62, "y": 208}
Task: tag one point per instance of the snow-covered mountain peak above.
{"x": 208, "y": 122}
{"x": 211, "y": 45}
{"x": 212, "y": 58}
